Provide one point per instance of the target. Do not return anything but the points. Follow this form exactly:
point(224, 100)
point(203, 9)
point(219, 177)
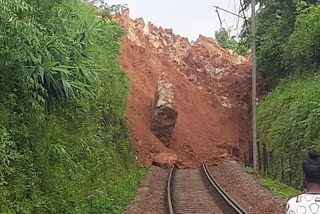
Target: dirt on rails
point(212, 95)
point(212, 88)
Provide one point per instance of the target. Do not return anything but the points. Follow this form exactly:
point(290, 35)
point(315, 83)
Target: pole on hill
point(254, 87)
point(254, 79)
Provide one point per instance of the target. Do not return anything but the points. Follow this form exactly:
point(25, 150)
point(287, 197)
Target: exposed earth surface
point(212, 95)
point(190, 104)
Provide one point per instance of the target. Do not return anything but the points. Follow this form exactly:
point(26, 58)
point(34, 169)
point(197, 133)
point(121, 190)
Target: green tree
point(224, 38)
point(275, 23)
point(302, 51)
point(288, 126)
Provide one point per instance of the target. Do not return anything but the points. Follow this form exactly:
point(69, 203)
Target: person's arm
point(290, 205)
point(288, 208)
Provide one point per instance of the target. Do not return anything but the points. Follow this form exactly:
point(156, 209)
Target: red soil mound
point(212, 88)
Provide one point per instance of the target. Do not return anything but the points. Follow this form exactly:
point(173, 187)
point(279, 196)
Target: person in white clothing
point(309, 201)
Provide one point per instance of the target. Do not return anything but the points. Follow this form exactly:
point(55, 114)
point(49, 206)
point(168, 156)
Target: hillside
point(212, 87)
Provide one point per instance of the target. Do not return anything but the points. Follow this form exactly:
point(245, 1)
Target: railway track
point(196, 191)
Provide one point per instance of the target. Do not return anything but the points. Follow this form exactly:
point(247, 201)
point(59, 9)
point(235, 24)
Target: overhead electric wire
point(253, 48)
point(219, 17)
point(227, 11)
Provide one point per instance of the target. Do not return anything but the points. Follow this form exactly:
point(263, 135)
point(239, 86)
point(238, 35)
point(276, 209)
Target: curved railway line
point(196, 191)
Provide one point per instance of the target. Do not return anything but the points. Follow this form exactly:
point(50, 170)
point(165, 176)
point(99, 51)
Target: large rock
point(164, 115)
point(164, 160)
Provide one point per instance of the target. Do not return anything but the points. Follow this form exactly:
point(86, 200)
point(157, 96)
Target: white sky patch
point(188, 18)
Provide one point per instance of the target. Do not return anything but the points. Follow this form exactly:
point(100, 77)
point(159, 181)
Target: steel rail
point(232, 204)
point(237, 208)
point(169, 183)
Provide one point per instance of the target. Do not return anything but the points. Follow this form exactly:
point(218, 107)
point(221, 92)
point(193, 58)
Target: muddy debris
point(212, 90)
point(165, 160)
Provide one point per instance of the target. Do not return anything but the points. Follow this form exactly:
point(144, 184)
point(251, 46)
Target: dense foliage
point(288, 44)
point(288, 126)
point(64, 142)
point(277, 21)
point(302, 51)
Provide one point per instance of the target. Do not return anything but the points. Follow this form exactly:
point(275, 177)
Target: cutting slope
point(212, 87)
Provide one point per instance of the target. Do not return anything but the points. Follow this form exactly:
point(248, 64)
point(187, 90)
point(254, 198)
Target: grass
point(278, 188)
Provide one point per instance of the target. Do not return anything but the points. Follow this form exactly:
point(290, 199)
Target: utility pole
point(254, 79)
point(254, 87)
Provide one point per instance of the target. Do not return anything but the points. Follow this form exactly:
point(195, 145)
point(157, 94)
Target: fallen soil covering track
point(196, 191)
point(211, 85)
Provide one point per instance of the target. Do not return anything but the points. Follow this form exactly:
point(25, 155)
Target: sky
point(188, 18)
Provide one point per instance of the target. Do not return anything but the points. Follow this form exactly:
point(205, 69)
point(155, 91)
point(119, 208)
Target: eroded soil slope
point(212, 88)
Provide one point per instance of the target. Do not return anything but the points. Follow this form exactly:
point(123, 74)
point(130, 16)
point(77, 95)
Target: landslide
point(212, 94)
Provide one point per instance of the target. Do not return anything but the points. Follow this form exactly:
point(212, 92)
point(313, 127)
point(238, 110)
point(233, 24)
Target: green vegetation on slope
point(278, 188)
point(64, 141)
point(288, 124)
point(302, 51)
point(281, 29)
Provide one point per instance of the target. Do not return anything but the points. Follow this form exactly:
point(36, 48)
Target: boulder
point(164, 160)
point(164, 115)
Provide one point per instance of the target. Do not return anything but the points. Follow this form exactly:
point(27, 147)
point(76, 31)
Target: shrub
point(64, 140)
point(302, 52)
point(288, 126)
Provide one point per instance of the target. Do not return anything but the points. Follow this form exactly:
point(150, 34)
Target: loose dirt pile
point(212, 95)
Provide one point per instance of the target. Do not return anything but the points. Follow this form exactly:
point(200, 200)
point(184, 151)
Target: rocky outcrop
point(164, 115)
